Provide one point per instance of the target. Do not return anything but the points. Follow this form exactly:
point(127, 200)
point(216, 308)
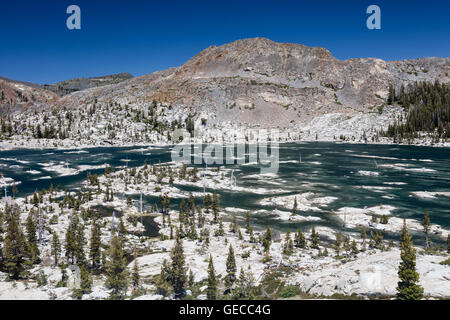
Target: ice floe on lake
point(76, 152)
point(368, 173)
point(357, 217)
point(406, 167)
point(375, 188)
point(430, 194)
point(33, 172)
point(375, 157)
point(6, 181)
point(61, 169)
point(307, 201)
point(395, 183)
point(83, 167)
point(43, 178)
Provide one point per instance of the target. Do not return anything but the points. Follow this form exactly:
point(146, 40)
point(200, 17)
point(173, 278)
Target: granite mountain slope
point(261, 82)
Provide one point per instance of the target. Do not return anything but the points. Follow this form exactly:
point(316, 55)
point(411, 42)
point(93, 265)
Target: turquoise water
point(327, 169)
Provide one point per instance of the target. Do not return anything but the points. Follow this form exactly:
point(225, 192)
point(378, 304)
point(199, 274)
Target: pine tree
point(288, 247)
point(448, 243)
point(215, 206)
point(55, 248)
point(191, 279)
point(122, 231)
point(231, 269)
point(426, 228)
point(85, 284)
point(267, 240)
point(35, 200)
point(252, 236)
point(191, 204)
point(95, 243)
point(14, 248)
point(294, 208)
point(79, 247)
point(163, 281)
point(355, 249)
point(2, 219)
point(70, 242)
point(300, 240)
point(211, 291)
point(407, 288)
point(86, 281)
point(135, 278)
point(247, 222)
point(376, 240)
point(15, 191)
point(178, 269)
point(164, 202)
point(207, 202)
point(33, 252)
point(234, 225)
point(346, 244)
point(315, 239)
point(337, 244)
point(363, 235)
point(244, 285)
point(240, 236)
point(220, 231)
point(117, 274)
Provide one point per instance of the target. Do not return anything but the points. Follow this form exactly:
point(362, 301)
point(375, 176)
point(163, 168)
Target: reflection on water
point(106, 211)
point(151, 227)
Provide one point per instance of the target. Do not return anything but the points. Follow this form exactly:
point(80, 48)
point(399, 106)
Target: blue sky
point(141, 37)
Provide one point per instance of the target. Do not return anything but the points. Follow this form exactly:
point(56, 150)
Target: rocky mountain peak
point(253, 57)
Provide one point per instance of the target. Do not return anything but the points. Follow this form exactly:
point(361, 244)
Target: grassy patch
point(341, 296)
point(289, 291)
